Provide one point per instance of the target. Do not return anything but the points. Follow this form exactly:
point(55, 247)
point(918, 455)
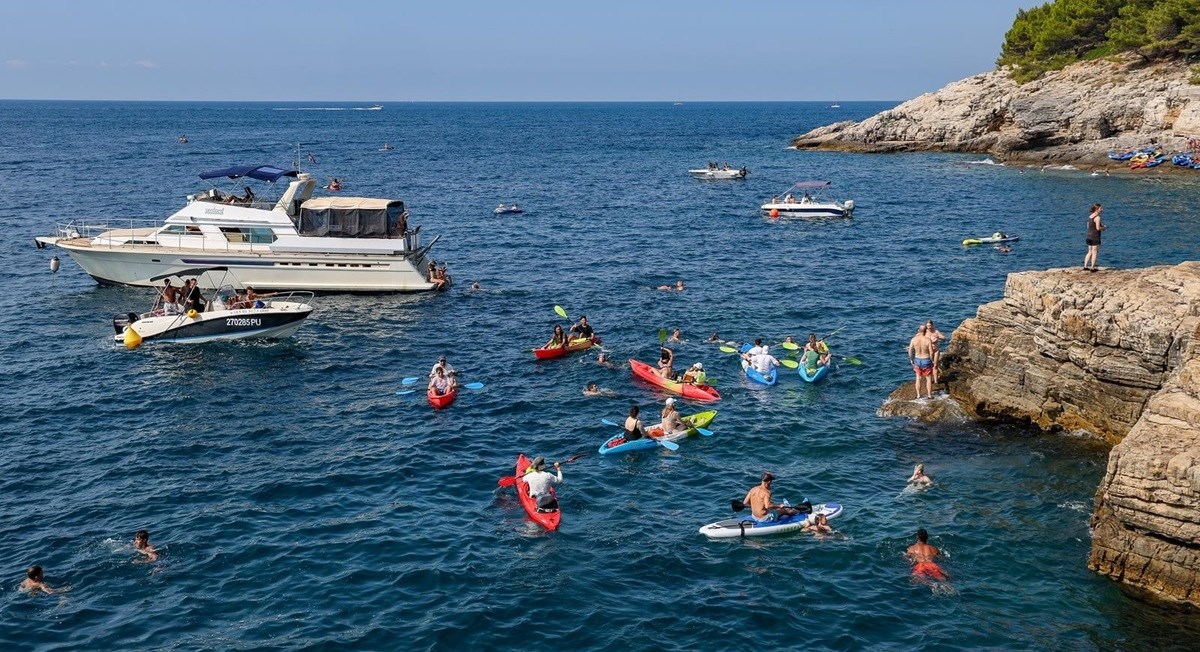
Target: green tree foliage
point(1062, 32)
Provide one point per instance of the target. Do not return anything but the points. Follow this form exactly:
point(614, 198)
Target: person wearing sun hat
point(695, 375)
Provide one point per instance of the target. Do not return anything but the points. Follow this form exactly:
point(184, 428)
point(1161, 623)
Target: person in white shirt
point(444, 366)
point(764, 362)
point(441, 384)
point(539, 482)
point(753, 351)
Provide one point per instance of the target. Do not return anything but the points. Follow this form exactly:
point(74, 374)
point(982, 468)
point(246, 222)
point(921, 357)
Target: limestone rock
point(1115, 353)
point(1074, 115)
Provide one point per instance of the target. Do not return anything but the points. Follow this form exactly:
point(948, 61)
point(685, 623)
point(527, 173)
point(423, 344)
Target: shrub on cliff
point(1062, 32)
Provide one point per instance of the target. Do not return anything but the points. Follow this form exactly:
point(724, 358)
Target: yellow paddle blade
point(790, 364)
point(561, 313)
point(790, 346)
point(728, 349)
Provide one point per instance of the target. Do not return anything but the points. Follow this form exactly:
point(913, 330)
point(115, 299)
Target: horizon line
point(382, 102)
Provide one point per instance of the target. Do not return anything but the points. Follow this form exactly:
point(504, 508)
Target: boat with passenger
point(297, 242)
point(182, 314)
point(809, 204)
point(716, 172)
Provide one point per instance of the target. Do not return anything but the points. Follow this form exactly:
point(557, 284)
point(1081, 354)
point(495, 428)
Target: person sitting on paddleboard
point(539, 481)
point(559, 340)
point(633, 425)
point(922, 555)
point(695, 375)
point(759, 500)
point(582, 329)
point(666, 358)
point(919, 478)
point(441, 384)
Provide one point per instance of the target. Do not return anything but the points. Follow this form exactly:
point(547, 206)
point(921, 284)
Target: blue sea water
point(299, 503)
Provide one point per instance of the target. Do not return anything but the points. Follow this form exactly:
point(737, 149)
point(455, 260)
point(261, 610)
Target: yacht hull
point(223, 325)
point(126, 265)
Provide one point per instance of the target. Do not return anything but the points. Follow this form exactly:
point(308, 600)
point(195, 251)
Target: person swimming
point(919, 478)
point(922, 555)
point(141, 543)
point(817, 524)
point(35, 581)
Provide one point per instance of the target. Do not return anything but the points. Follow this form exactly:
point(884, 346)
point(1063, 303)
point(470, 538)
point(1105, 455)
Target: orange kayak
point(649, 374)
point(577, 344)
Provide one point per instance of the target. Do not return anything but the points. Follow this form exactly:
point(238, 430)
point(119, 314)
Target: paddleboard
point(991, 240)
point(746, 526)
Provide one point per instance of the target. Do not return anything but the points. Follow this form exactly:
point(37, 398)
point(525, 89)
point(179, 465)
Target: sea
point(299, 503)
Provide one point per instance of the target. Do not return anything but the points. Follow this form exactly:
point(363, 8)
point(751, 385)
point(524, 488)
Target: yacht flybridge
point(328, 244)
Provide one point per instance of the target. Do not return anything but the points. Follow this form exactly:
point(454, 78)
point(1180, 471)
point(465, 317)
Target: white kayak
point(746, 526)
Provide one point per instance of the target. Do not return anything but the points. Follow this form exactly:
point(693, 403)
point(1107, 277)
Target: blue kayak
point(753, 374)
point(617, 444)
point(820, 373)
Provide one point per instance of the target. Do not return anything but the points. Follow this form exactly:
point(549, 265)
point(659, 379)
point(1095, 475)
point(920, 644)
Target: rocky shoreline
point(1073, 116)
point(1115, 354)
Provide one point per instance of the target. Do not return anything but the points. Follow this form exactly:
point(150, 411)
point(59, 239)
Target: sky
point(487, 50)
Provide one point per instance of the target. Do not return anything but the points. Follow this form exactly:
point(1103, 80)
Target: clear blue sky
point(493, 50)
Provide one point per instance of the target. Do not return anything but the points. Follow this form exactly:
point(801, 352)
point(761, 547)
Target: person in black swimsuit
point(1094, 227)
point(633, 425)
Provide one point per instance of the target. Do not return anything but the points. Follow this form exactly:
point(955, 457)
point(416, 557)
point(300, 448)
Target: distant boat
point(679, 104)
point(835, 106)
point(376, 107)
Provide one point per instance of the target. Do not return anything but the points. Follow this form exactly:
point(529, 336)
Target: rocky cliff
point(1075, 115)
point(1115, 353)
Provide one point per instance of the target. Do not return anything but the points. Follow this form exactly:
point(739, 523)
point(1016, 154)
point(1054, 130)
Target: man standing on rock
point(920, 356)
point(1094, 227)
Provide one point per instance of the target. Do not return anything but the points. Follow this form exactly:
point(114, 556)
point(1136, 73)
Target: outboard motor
point(119, 322)
point(849, 205)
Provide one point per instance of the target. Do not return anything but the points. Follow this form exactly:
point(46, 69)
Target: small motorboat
point(809, 204)
point(230, 314)
point(512, 208)
point(713, 173)
point(387, 147)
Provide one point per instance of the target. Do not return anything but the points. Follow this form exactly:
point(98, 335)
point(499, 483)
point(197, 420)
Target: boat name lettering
point(242, 321)
point(214, 211)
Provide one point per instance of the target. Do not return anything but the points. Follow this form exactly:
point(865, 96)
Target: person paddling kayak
point(753, 351)
point(671, 423)
point(441, 384)
point(633, 425)
point(539, 481)
point(759, 500)
point(582, 329)
point(444, 366)
point(695, 375)
point(816, 354)
point(764, 362)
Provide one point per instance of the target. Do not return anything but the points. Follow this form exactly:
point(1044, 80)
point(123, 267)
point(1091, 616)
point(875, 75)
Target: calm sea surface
point(299, 503)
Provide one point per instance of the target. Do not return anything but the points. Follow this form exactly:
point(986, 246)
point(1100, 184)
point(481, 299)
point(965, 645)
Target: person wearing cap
point(695, 375)
point(764, 362)
point(444, 366)
point(671, 423)
point(759, 501)
point(539, 480)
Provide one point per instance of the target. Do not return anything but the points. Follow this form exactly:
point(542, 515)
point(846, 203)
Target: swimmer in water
point(922, 555)
point(676, 336)
point(678, 287)
point(817, 524)
point(1004, 249)
point(141, 543)
point(35, 581)
point(591, 390)
point(475, 286)
point(919, 478)
point(714, 337)
point(603, 361)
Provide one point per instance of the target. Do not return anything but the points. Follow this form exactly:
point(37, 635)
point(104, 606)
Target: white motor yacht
point(714, 174)
point(808, 204)
point(329, 244)
point(181, 313)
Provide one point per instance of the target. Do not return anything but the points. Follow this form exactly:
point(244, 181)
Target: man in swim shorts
point(922, 555)
point(920, 356)
point(759, 501)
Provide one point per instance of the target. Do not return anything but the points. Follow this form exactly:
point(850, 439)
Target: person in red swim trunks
point(922, 555)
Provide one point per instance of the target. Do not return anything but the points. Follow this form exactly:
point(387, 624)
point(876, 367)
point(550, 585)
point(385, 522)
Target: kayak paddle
point(662, 335)
point(703, 431)
point(849, 360)
point(410, 380)
point(407, 391)
point(790, 346)
point(510, 480)
point(728, 349)
point(669, 445)
point(561, 313)
point(473, 386)
point(790, 364)
point(610, 423)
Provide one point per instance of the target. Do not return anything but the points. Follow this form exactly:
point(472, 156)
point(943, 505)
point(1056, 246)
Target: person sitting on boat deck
point(764, 362)
point(539, 480)
point(789, 199)
point(35, 581)
point(666, 358)
point(817, 524)
point(433, 276)
point(500, 206)
point(236, 301)
point(513, 208)
point(254, 299)
point(634, 429)
point(444, 366)
point(806, 198)
point(753, 351)
point(759, 501)
point(582, 329)
point(559, 340)
point(194, 299)
point(442, 276)
point(919, 478)
point(441, 384)
point(744, 171)
point(695, 375)
point(671, 423)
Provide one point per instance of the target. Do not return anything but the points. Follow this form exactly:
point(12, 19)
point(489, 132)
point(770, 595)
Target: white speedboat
point(342, 244)
point(714, 174)
point(808, 203)
point(186, 316)
point(502, 209)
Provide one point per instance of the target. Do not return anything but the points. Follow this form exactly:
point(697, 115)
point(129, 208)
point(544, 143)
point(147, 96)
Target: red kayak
point(649, 374)
point(439, 402)
point(577, 344)
point(548, 520)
